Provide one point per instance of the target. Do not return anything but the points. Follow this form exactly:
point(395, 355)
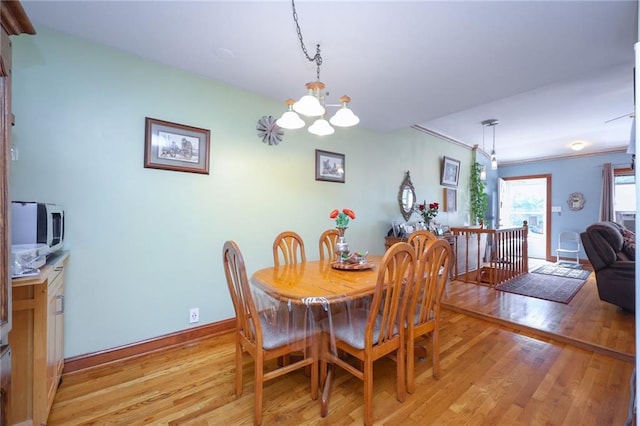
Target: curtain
point(606, 202)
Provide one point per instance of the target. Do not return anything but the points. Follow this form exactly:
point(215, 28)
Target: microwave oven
point(37, 223)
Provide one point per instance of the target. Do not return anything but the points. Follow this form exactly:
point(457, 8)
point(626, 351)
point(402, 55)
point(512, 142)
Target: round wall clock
point(269, 131)
point(576, 201)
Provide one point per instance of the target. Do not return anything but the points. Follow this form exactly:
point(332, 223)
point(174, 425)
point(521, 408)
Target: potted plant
point(478, 198)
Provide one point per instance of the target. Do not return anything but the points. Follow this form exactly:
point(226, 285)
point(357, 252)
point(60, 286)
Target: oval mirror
point(406, 197)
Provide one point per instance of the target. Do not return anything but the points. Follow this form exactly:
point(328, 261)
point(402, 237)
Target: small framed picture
point(450, 171)
point(329, 166)
point(450, 199)
point(177, 147)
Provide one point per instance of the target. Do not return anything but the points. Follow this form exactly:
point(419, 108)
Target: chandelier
point(493, 123)
point(313, 103)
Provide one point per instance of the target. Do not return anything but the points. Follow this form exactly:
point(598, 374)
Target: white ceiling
point(550, 71)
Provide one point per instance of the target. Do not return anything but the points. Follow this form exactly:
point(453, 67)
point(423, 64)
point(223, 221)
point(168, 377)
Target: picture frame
point(450, 200)
point(176, 147)
point(330, 166)
point(450, 171)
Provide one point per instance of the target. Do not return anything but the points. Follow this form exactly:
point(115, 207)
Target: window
point(624, 197)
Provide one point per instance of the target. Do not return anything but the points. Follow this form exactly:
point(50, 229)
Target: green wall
point(146, 244)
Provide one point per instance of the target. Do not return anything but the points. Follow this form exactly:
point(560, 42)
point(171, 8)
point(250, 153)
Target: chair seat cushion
point(349, 327)
point(281, 333)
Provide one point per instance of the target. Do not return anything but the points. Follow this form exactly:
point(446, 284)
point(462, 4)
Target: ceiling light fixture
point(493, 123)
point(312, 104)
point(578, 145)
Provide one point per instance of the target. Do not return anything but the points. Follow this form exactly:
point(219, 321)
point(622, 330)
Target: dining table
point(317, 288)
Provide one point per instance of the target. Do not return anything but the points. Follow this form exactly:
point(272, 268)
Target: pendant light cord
point(317, 58)
point(494, 136)
point(483, 132)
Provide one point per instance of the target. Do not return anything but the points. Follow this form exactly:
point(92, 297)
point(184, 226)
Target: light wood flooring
point(496, 372)
point(585, 322)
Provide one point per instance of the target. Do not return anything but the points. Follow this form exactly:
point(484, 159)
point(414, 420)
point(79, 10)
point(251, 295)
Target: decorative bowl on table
point(352, 261)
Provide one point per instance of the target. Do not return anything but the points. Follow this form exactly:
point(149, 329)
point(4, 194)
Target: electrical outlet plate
point(194, 315)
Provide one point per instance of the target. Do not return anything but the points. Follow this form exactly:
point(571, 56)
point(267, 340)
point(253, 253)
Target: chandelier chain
point(316, 58)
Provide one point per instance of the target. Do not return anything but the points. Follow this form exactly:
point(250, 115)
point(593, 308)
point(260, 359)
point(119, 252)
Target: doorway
point(527, 198)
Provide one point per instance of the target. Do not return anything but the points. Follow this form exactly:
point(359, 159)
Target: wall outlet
point(194, 315)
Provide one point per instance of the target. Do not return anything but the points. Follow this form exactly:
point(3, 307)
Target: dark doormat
point(543, 286)
point(563, 271)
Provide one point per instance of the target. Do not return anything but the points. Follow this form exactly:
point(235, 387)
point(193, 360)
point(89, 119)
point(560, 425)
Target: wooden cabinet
point(37, 340)
point(13, 21)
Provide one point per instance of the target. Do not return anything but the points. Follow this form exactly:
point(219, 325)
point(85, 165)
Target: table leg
point(326, 391)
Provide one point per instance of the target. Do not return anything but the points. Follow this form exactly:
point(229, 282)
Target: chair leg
point(436, 353)
point(239, 352)
point(368, 391)
point(259, 380)
point(401, 374)
point(411, 385)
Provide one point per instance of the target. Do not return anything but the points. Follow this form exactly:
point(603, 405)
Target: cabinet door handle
point(61, 298)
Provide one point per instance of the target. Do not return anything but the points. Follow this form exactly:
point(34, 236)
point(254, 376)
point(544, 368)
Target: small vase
point(341, 246)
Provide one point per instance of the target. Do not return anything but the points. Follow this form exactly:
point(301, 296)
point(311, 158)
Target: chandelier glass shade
point(483, 173)
point(494, 160)
point(344, 117)
point(321, 127)
point(290, 120)
point(309, 104)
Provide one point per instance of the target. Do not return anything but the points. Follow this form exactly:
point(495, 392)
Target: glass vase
point(342, 247)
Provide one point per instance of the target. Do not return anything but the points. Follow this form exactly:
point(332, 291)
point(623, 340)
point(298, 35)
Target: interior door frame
point(547, 219)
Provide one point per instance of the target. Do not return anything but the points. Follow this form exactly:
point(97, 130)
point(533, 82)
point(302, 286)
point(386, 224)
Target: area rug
point(543, 286)
point(563, 271)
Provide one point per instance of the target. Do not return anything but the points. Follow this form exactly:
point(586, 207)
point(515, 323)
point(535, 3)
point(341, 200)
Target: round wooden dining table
point(318, 284)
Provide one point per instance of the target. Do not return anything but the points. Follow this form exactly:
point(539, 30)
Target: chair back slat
point(247, 322)
point(327, 244)
point(419, 240)
point(288, 248)
point(396, 273)
point(433, 271)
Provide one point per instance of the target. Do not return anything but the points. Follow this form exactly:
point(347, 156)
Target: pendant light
point(494, 160)
point(312, 104)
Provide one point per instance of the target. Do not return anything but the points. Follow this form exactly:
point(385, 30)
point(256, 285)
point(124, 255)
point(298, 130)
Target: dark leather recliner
point(613, 263)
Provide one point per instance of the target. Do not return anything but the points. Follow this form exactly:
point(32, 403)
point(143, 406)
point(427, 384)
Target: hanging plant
point(478, 198)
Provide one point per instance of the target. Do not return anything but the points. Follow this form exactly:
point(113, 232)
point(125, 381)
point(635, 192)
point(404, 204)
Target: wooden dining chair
point(419, 239)
point(261, 338)
point(423, 311)
point(327, 244)
point(288, 247)
point(370, 333)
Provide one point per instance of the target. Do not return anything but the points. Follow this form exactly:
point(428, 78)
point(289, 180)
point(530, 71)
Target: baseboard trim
point(100, 358)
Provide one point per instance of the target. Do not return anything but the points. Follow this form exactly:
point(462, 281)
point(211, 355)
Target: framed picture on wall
point(177, 147)
point(450, 198)
point(329, 166)
point(450, 171)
